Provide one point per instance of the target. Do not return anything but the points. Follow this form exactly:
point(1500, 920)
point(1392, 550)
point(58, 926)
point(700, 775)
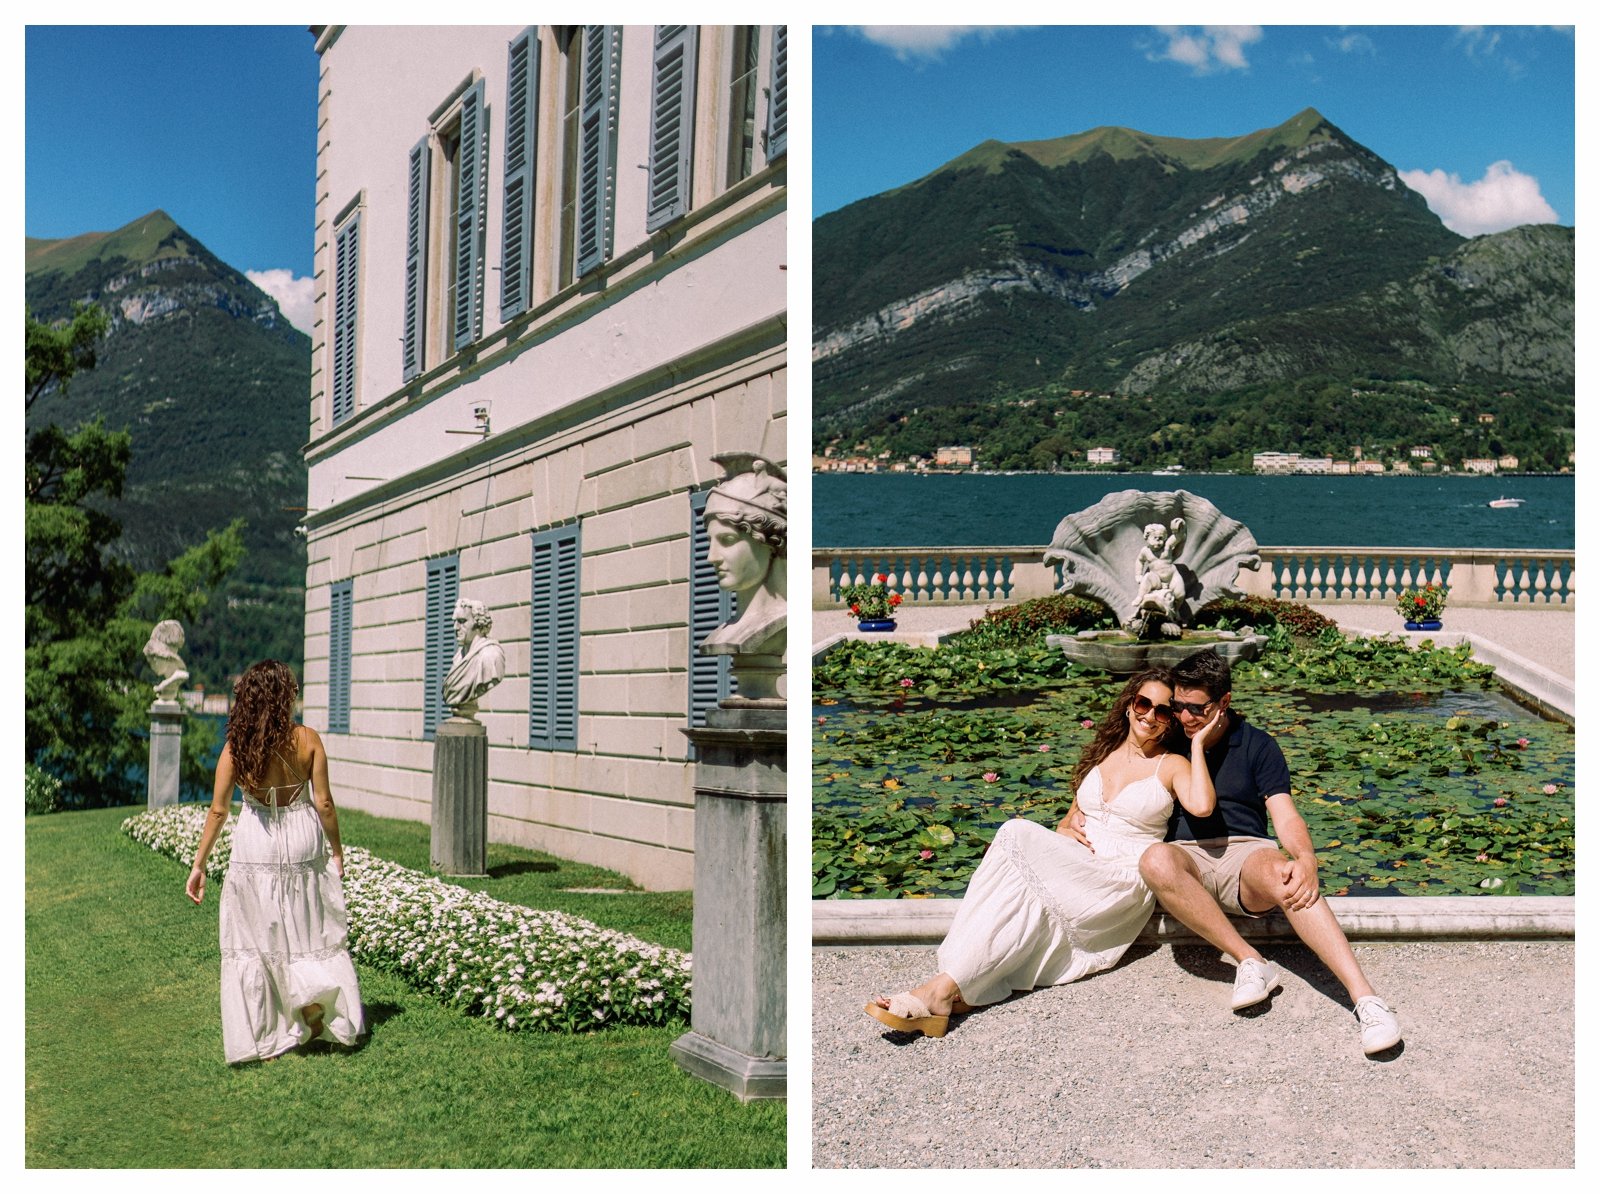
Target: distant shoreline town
point(957, 460)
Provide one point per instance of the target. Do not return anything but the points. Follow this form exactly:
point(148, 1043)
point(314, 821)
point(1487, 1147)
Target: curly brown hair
point(1112, 730)
point(262, 719)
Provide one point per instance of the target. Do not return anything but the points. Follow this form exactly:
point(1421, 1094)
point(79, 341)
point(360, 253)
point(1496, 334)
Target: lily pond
point(1414, 773)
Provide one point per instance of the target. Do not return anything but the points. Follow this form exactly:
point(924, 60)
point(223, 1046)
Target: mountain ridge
point(210, 380)
point(998, 272)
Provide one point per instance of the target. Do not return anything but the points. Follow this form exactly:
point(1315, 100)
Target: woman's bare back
point(287, 773)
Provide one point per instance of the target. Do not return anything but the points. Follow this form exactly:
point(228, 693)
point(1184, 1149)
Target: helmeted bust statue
point(161, 652)
point(747, 519)
point(481, 663)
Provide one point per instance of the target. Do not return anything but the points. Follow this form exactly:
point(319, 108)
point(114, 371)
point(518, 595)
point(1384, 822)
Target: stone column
point(460, 797)
point(166, 753)
point(737, 1039)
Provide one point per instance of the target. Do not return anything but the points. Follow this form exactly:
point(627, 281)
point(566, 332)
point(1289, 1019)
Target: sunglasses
point(1143, 706)
point(1192, 709)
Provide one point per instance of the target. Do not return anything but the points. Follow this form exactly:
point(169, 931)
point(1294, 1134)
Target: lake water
point(1018, 510)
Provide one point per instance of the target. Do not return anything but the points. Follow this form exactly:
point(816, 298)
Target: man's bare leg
point(1175, 879)
point(1260, 887)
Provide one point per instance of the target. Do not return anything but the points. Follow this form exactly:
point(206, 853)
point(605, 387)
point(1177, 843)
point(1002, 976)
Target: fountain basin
point(1121, 654)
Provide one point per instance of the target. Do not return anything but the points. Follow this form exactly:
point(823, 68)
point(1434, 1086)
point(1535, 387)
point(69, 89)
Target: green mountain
point(1117, 261)
point(211, 383)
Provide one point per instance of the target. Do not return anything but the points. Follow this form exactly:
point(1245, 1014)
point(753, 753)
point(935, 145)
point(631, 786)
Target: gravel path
point(1145, 1066)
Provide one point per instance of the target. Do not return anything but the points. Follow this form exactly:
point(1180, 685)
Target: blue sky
point(214, 125)
point(1480, 119)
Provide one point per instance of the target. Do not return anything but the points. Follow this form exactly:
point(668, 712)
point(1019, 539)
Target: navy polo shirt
point(1246, 767)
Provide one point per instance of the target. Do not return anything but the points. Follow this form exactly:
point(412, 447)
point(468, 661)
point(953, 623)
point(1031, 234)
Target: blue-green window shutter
point(778, 96)
point(597, 144)
point(346, 263)
point(339, 611)
point(710, 605)
point(472, 169)
point(522, 150)
point(671, 124)
point(416, 302)
point(439, 639)
point(553, 640)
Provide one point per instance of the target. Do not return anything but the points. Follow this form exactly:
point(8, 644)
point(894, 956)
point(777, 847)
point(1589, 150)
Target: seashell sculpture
point(1152, 558)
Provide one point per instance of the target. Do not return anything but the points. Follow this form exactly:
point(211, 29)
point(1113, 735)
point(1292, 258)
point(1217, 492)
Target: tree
point(56, 353)
point(88, 614)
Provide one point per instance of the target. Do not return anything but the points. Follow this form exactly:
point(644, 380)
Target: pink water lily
point(1501, 802)
point(925, 855)
point(1483, 858)
point(1522, 744)
point(990, 776)
point(1551, 789)
point(1045, 748)
point(907, 683)
point(1087, 723)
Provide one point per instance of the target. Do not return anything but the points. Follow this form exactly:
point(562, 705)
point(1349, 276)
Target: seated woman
point(1044, 909)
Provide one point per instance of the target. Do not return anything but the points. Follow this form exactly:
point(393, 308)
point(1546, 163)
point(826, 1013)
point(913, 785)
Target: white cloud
point(1352, 43)
point(1205, 49)
point(921, 41)
point(1476, 40)
point(294, 294)
point(1501, 199)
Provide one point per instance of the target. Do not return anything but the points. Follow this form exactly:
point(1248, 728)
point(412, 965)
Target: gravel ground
point(1145, 1066)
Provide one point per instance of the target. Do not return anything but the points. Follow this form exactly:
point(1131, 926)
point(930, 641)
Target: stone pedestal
point(738, 1039)
point(166, 753)
point(460, 797)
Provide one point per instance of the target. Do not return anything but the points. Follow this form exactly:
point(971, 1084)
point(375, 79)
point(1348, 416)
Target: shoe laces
point(1372, 1010)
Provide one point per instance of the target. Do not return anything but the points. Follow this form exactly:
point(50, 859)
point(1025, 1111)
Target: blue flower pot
point(880, 624)
point(1432, 624)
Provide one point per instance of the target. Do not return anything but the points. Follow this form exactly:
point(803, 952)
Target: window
point(439, 639)
point(339, 609)
point(710, 605)
point(416, 305)
point(553, 647)
point(742, 102)
point(671, 124)
point(346, 293)
point(778, 95)
point(445, 233)
point(471, 169)
point(597, 146)
point(522, 151)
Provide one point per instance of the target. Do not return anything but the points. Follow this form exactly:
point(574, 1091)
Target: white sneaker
point(1380, 1027)
point(1255, 980)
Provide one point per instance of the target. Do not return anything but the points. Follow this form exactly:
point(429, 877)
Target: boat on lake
point(1504, 503)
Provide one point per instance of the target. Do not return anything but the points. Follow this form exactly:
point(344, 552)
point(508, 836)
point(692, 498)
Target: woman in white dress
point(287, 978)
point(1043, 909)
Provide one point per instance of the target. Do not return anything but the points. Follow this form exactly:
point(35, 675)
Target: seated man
point(1226, 863)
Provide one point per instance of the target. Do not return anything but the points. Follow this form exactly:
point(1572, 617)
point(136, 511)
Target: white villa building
point(551, 268)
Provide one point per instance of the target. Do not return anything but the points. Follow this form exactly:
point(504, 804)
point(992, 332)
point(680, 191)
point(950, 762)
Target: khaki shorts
point(1220, 861)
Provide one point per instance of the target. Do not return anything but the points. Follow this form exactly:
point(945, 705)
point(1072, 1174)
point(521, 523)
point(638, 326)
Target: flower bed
point(521, 967)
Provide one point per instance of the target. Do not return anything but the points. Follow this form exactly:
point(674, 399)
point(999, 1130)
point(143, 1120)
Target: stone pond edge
point(1364, 918)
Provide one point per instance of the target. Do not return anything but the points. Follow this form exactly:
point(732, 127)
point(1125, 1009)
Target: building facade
point(551, 266)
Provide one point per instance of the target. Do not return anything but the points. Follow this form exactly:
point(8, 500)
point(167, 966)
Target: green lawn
point(124, 1038)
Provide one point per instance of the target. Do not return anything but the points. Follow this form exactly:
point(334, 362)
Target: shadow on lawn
point(503, 869)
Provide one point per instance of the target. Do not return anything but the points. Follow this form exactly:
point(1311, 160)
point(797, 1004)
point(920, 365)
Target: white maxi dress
point(285, 932)
point(1042, 909)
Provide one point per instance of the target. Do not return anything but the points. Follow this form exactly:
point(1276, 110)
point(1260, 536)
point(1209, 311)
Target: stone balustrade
point(1365, 575)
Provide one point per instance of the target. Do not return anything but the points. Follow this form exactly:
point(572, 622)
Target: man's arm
point(1297, 873)
point(1072, 825)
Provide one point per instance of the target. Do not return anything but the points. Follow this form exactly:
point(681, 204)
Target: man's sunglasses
point(1144, 707)
point(1192, 709)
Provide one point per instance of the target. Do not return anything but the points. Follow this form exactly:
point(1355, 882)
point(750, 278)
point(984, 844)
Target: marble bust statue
point(161, 652)
point(747, 520)
point(480, 664)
